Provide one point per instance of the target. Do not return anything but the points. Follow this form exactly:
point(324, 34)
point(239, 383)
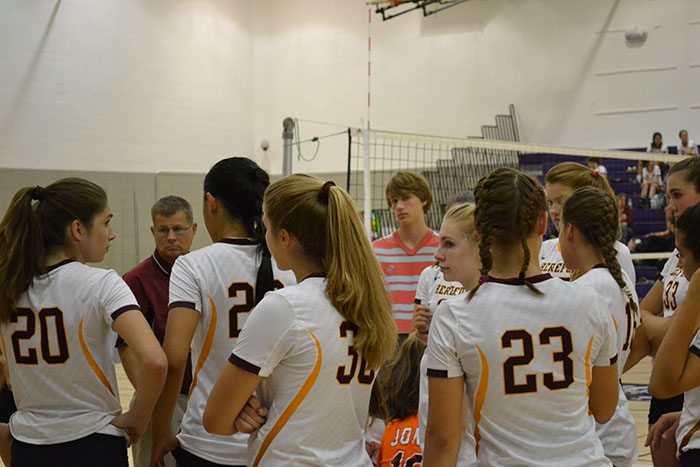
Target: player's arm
point(677, 367)
point(443, 433)
point(602, 398)
point(134, 329)
point(653, 301)
point(228, 399)
point(179, 330)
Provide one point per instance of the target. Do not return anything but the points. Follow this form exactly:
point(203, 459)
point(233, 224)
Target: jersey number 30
point(545, 338)
point(343, 375)
point(60, 352)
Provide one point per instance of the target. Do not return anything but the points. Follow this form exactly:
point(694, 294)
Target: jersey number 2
point(545, 337)
point(343, 375)
point(30, 358)
point(233, 327)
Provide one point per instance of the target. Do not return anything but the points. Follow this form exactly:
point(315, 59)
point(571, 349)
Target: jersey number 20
point(545, 337)
point(49, 356)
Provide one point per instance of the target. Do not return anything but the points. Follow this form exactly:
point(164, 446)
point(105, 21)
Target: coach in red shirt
point(173, 231)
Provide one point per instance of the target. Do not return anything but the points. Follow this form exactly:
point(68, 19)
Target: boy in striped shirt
point(405, 253)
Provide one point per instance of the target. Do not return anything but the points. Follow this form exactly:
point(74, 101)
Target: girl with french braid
point(587, 233)
point(536, 354)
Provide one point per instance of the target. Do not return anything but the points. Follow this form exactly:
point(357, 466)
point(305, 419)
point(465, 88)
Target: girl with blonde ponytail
point(587, 232)
point(311, 350)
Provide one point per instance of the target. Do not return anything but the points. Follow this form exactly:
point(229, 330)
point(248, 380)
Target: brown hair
point(575, 175)
point(34, 224)
point(509, 204)
point(323, 218)
point(690, 170)
point(403, 183)
point(403, 380)
point(168, 206)
point(594, 213)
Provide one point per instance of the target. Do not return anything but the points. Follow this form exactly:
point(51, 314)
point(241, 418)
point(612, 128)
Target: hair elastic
point(38, 193)
point(595, 174)
point(325, 189)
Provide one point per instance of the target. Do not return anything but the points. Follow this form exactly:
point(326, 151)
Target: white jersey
point(552, 262)
point(527, 360)
point(619, 434)
point(314, 385)
point(218, 282)
point(59, 344)
point(687, 434)
point(675, 284)
point(433, 288)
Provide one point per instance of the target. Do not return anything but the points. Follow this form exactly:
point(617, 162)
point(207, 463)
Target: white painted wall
point(143, 85)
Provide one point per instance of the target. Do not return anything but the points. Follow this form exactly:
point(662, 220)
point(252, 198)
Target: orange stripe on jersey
point(294, 405)
point(206, 348)
point(480, 396)
point(91, 361)
point(588, 370)
point(614, 322)
point(686, 438)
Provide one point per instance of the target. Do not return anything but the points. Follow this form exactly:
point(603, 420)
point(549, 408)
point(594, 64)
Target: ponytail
point(34, 224)
point(323, 218)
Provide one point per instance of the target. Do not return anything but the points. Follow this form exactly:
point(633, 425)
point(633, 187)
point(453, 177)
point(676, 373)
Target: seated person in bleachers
point(655, 241)
point(626, 217)
point(651, 183)
point(594, 164)
point(657, 144)
point(687, 146)
point(405, 253)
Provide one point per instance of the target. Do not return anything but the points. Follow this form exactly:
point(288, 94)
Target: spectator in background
point(657, 144)
point(651, 183)
point(594, 164)
point(626, 218)
point(687, 146)
point(405, 253)
point(655, 241)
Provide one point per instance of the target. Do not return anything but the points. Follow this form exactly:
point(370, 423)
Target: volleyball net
point(454, 165)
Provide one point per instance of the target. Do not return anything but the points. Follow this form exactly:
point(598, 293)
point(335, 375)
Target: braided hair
point(509, 204)
point(594, 212)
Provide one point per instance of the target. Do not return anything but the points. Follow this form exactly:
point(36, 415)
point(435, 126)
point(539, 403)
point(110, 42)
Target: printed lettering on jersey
point(345, 376)
point(52, 330)
point(557, 268)
point(449, 290)
point(406, 436)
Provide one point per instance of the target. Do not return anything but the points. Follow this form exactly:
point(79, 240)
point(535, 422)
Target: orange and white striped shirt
point(402, 267)
point(218, 281)
point(315, 386)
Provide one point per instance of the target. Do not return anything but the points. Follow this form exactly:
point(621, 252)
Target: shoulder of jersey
point(548, 246)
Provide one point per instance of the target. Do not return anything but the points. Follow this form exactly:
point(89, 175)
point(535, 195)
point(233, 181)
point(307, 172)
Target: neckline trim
point(516, 281)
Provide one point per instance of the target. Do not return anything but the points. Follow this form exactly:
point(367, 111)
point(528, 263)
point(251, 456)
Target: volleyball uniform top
point(59, 344)
point(674, 282)
point(619, 434)
point(217, 281)
point(400, 444)
point(687, 433)
point(527, 360)
point(552, 262)
point(433, 288)
point(315, 386)
point(402, 267)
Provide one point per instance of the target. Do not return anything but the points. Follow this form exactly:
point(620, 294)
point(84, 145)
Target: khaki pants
point(141, 451)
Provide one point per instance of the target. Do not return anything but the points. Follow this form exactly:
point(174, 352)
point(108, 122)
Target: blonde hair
point(463, 215)
point(323, 218)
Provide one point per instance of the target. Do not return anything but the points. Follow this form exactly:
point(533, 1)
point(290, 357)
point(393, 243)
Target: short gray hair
point(168, 206)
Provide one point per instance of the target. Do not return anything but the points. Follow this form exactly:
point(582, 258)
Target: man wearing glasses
point(173, 231)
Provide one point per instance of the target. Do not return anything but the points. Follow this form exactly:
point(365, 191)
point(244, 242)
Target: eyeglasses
point(178, 230)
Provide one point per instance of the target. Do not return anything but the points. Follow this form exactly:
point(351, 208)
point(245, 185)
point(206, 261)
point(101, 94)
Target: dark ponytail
point(35, 224)
point(239, 183)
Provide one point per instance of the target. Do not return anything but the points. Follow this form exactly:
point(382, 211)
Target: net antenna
point(393, 8)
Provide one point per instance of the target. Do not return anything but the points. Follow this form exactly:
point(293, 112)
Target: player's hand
point(421, 321)
point(134, 425)
point(664, 429)
point(252, 417)
point(161, 448)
